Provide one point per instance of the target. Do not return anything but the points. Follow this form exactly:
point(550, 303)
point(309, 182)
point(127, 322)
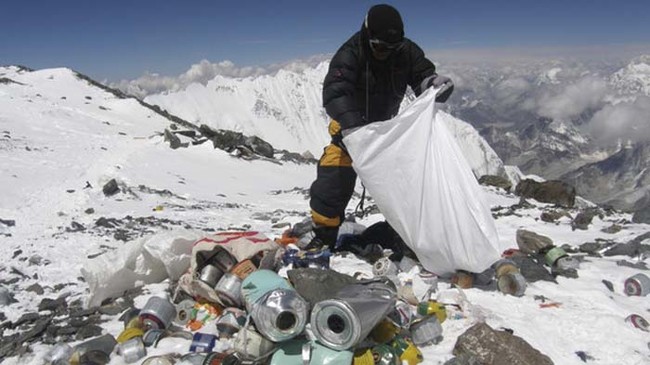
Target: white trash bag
point(421, 182)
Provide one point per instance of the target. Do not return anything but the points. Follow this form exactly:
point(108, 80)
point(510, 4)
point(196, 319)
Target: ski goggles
point(380, 46)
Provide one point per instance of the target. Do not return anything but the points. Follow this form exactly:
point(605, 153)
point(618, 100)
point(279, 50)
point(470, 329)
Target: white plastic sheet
point(421, 182)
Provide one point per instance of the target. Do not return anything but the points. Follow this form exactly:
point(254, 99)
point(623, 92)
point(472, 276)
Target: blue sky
point(116, 39)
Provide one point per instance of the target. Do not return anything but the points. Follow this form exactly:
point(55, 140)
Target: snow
point(51, 147)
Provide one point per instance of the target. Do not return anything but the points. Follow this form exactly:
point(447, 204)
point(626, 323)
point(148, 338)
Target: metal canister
point(402, 314)
point(94, 357)
point(384, 267)
point(638, 285)
point(157, 313)
point(105, 343)
point(512, 283)
point(430, 279)
point(229, 290)
point(184, 312)
point(385, 355)
point(224, 260)
point(407, 351)
point(251, 345)
point(131, 318)
point(159, 360)
point(432, 307)
point(342, 322)
point(243, 268)
point(210, 275)
point(553, 255)
point(230, 321)
point(152, 336)
point(203, 342)
point(505, 266)
point(132, 350)
point(638, 322)
point(60, 354)
point(426, 331)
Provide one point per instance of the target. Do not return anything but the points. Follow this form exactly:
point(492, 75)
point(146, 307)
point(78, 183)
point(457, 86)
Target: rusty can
point(637, 285)
point(638, 322)
point(463, 279)
point(243, 269)
point(215, 358)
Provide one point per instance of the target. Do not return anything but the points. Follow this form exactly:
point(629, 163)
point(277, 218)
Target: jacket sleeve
point(421, 69)
point(339, 97)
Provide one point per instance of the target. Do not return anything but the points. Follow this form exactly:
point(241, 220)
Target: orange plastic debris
point(286, 239)
point(550, 304)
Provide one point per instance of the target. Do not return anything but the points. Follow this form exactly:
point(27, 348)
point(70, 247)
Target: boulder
point(496, 181)
point(531, 242)
point(553, 192)
point(481, 344)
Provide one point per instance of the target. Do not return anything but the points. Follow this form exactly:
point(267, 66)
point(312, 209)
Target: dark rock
point(635, 265)
point(88, 331)
point(584, 218)
point(108, 222)
point(54, 305)
point(531, 269)
point(174, 141)
point(496, 181)
point(6, 297)
point(26, 318)
point(8, 222)
point(614, 228)
point(2, 316)
point(553, 192)
point(259, 146)
point(17, 253)
point(111, 188)
point(36, 288)
point(67, 331)
point(490, 347)
point(89, 211)
point(609, 285)
point(35, 260)
point(552, 216)
point(632, 248)
point(82, 312)
point(584, 356)
point(590, 247)
point(531, 242)
point(75, 227)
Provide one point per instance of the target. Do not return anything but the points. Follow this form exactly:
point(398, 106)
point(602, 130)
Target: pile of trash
point(247, 299)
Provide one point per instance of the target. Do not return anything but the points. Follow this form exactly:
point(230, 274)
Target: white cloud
point(622, 121)
point(573, 99)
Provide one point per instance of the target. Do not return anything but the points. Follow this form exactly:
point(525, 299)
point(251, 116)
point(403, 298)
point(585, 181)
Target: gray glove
point(443, 83)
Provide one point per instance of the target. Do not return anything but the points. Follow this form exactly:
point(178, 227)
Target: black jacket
point(354, 73)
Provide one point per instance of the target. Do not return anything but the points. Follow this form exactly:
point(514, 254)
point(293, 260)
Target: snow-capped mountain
point(286, 110)
point(633, 78)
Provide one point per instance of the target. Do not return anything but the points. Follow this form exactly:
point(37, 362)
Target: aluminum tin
point(210, 275)
point(505, 266)
point(553, 255)
point(230, 322)
point(184, 312)
point(224, 260)
point(243, 269)
point(426, 330)
point(258, 284)
point(94, 357)
point(280, 315)
point(229, 290)
point(638, 322)
point(251, 345)
point(157, 313)
point(343, 322)
point(638, 285)
point(152, 336)
point(59, 354)
point(384, 267)
point(432, 307)
point(105, 343)
point(159, 360)
point(385, 355)
point(512, 283)
point(203, 342)
point(132, 350)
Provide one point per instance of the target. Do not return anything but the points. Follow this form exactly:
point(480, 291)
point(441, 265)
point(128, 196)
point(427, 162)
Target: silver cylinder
point(512, 283)
point(638, 285)
point(426, 331)
point(346, 320)
point(184, 312)
point(59, 355)
point(230, 322)
point(210, 275)
point(229, 290)
point(157, 313)
point(132, 350)
point(280, 315)
point(105, 343)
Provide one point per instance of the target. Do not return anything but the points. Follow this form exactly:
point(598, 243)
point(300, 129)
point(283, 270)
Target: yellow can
point(385, 331)
point(432, 307)
point(129, 333)
point(363, 357)
point(407, 351)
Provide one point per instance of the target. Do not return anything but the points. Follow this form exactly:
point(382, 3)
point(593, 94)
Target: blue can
point(203, 342)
